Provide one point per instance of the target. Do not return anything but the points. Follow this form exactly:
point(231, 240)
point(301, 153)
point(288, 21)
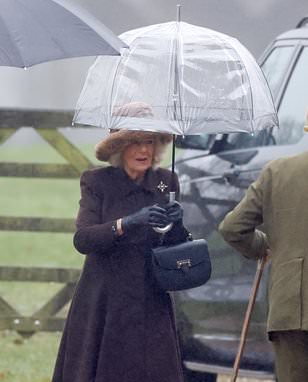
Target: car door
point(210, 317)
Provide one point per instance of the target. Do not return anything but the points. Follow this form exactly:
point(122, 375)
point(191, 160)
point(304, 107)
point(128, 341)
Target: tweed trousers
point(291, 355)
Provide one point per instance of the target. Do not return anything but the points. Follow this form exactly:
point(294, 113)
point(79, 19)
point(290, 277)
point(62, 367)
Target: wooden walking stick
point(252, 299)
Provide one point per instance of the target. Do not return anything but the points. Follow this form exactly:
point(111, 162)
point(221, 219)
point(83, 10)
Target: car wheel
point(194, 376)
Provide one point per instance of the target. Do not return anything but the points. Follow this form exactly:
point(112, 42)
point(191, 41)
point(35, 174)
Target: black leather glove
point(174, 211)
point(153, 216)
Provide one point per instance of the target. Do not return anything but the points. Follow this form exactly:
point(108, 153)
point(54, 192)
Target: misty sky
point(57, 85)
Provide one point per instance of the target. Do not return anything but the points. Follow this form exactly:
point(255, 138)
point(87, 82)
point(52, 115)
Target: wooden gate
point(45, 124)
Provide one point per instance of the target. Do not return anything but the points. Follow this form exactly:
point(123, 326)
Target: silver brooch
point(162, 186)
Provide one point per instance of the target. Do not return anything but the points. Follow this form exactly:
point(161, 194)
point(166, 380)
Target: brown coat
point(120, 326)
point(278, 200)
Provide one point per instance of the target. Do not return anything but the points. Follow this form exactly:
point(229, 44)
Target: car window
point(294, 105)
point(275, 66)
point(200, 142)
point(244, 140)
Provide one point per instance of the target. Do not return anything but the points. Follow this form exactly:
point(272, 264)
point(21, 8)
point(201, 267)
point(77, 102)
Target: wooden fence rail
point(43, 319)
point(46, 124)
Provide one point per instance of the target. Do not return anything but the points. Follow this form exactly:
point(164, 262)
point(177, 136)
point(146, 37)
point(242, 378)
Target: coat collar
point(126, 185)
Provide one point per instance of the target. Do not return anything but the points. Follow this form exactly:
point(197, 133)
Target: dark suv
point(214, 172)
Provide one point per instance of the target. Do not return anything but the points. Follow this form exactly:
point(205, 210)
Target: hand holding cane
point(252, 299)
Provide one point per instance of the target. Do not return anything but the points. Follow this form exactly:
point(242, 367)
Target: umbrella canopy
point(35, 31)
point(196, 81)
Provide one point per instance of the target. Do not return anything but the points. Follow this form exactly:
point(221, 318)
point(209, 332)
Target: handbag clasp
point(182, 263)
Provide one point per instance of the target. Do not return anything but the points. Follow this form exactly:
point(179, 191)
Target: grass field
point(32, 359)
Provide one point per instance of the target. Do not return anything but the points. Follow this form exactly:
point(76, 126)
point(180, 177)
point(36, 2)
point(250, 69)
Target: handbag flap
point(190, 253)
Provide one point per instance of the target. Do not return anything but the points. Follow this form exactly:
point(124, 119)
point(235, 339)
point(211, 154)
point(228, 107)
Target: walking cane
point(252, 299)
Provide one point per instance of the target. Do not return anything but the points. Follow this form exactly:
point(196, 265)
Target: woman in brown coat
point(120, 327)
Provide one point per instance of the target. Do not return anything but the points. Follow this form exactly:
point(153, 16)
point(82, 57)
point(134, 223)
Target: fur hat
point(118, 140)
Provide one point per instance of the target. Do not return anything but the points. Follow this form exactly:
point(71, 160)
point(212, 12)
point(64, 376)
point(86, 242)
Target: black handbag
point(182, 266)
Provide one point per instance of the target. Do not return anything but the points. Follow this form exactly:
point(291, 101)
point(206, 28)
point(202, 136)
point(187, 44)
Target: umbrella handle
point(168, 227)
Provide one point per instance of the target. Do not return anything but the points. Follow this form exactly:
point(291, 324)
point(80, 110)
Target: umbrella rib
point(251, 93)
point(37, 19)
point(57, 42)
point(112, 89)
point(221, 39)
point(94, 24)
point(178, 79)
point(13, 42)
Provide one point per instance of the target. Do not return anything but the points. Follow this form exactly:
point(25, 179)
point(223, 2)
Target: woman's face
point(138, 157)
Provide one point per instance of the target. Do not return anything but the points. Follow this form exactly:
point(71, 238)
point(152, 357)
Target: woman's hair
point(116, 159)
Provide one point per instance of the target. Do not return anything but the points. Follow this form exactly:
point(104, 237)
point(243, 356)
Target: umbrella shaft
point(171, 196)
point(168, 227)
point(173, 153)
point(173, 164)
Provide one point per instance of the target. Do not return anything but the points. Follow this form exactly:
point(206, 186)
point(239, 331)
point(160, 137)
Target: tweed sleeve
point(239, 227)
point(91, 236)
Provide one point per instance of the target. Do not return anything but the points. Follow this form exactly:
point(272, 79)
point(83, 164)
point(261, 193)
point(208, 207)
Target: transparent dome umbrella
point(196, 81)
point(35, 31)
